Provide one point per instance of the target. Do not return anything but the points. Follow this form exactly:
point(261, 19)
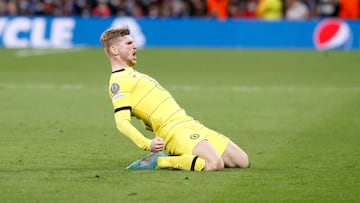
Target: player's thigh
point(212, 148)
point(217, 140)
point(234, 156)
point(206, 151)
point(192, 140)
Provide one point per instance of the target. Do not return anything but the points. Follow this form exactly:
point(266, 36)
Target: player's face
point(127, 50)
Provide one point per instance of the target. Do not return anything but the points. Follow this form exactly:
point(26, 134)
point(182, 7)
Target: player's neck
point(116, 68)
point(117, 64)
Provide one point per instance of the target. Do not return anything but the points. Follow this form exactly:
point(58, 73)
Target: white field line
point(41, 86)
point(280, 89)
point(274, 89)
point(42, 52)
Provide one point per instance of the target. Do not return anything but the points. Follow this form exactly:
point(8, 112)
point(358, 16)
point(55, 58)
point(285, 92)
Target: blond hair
point(109, 37)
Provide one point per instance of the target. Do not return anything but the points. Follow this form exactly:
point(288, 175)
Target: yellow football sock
point(183, 162)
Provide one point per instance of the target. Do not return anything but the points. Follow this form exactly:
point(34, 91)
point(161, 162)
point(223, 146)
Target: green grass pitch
point(296, 113)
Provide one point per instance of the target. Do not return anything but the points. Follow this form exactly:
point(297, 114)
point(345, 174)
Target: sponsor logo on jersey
point(332, 34)
point(117, 96)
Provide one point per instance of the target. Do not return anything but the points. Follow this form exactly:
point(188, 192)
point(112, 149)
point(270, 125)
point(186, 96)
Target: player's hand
point(157, 144)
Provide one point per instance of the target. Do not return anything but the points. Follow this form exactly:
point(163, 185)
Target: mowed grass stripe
point(317, 160)
point(323, 156)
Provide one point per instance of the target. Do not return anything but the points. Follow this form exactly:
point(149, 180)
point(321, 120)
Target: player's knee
point(216, 164)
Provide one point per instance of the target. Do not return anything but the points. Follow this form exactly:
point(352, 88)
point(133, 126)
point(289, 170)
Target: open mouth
point(134, 55)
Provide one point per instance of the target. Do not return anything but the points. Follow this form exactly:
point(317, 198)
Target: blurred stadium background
point(223, 9)
point(285, 24)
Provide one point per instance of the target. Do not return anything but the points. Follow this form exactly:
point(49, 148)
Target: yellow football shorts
point(186, 136)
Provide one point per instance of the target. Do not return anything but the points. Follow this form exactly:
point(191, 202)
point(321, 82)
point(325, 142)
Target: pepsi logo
point(332, 34)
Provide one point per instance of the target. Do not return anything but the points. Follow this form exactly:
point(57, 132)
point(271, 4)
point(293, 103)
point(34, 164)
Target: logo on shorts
point(332, 34)
point(194, 136)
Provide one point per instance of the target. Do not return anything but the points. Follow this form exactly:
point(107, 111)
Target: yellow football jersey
point(147, 100)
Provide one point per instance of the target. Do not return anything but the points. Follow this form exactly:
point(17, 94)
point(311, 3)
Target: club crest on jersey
point(115, 88)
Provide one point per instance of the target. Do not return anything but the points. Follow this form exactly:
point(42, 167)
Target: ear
point(113, 50)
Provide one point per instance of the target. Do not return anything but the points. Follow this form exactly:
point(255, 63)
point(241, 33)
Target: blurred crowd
point(221, 9)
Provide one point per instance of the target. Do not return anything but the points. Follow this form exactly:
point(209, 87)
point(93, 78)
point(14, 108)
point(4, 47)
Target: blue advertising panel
point(68, 32)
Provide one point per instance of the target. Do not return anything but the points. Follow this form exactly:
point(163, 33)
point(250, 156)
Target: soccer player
point(191, 145)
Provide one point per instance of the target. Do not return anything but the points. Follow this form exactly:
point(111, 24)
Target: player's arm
point(123, 124)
